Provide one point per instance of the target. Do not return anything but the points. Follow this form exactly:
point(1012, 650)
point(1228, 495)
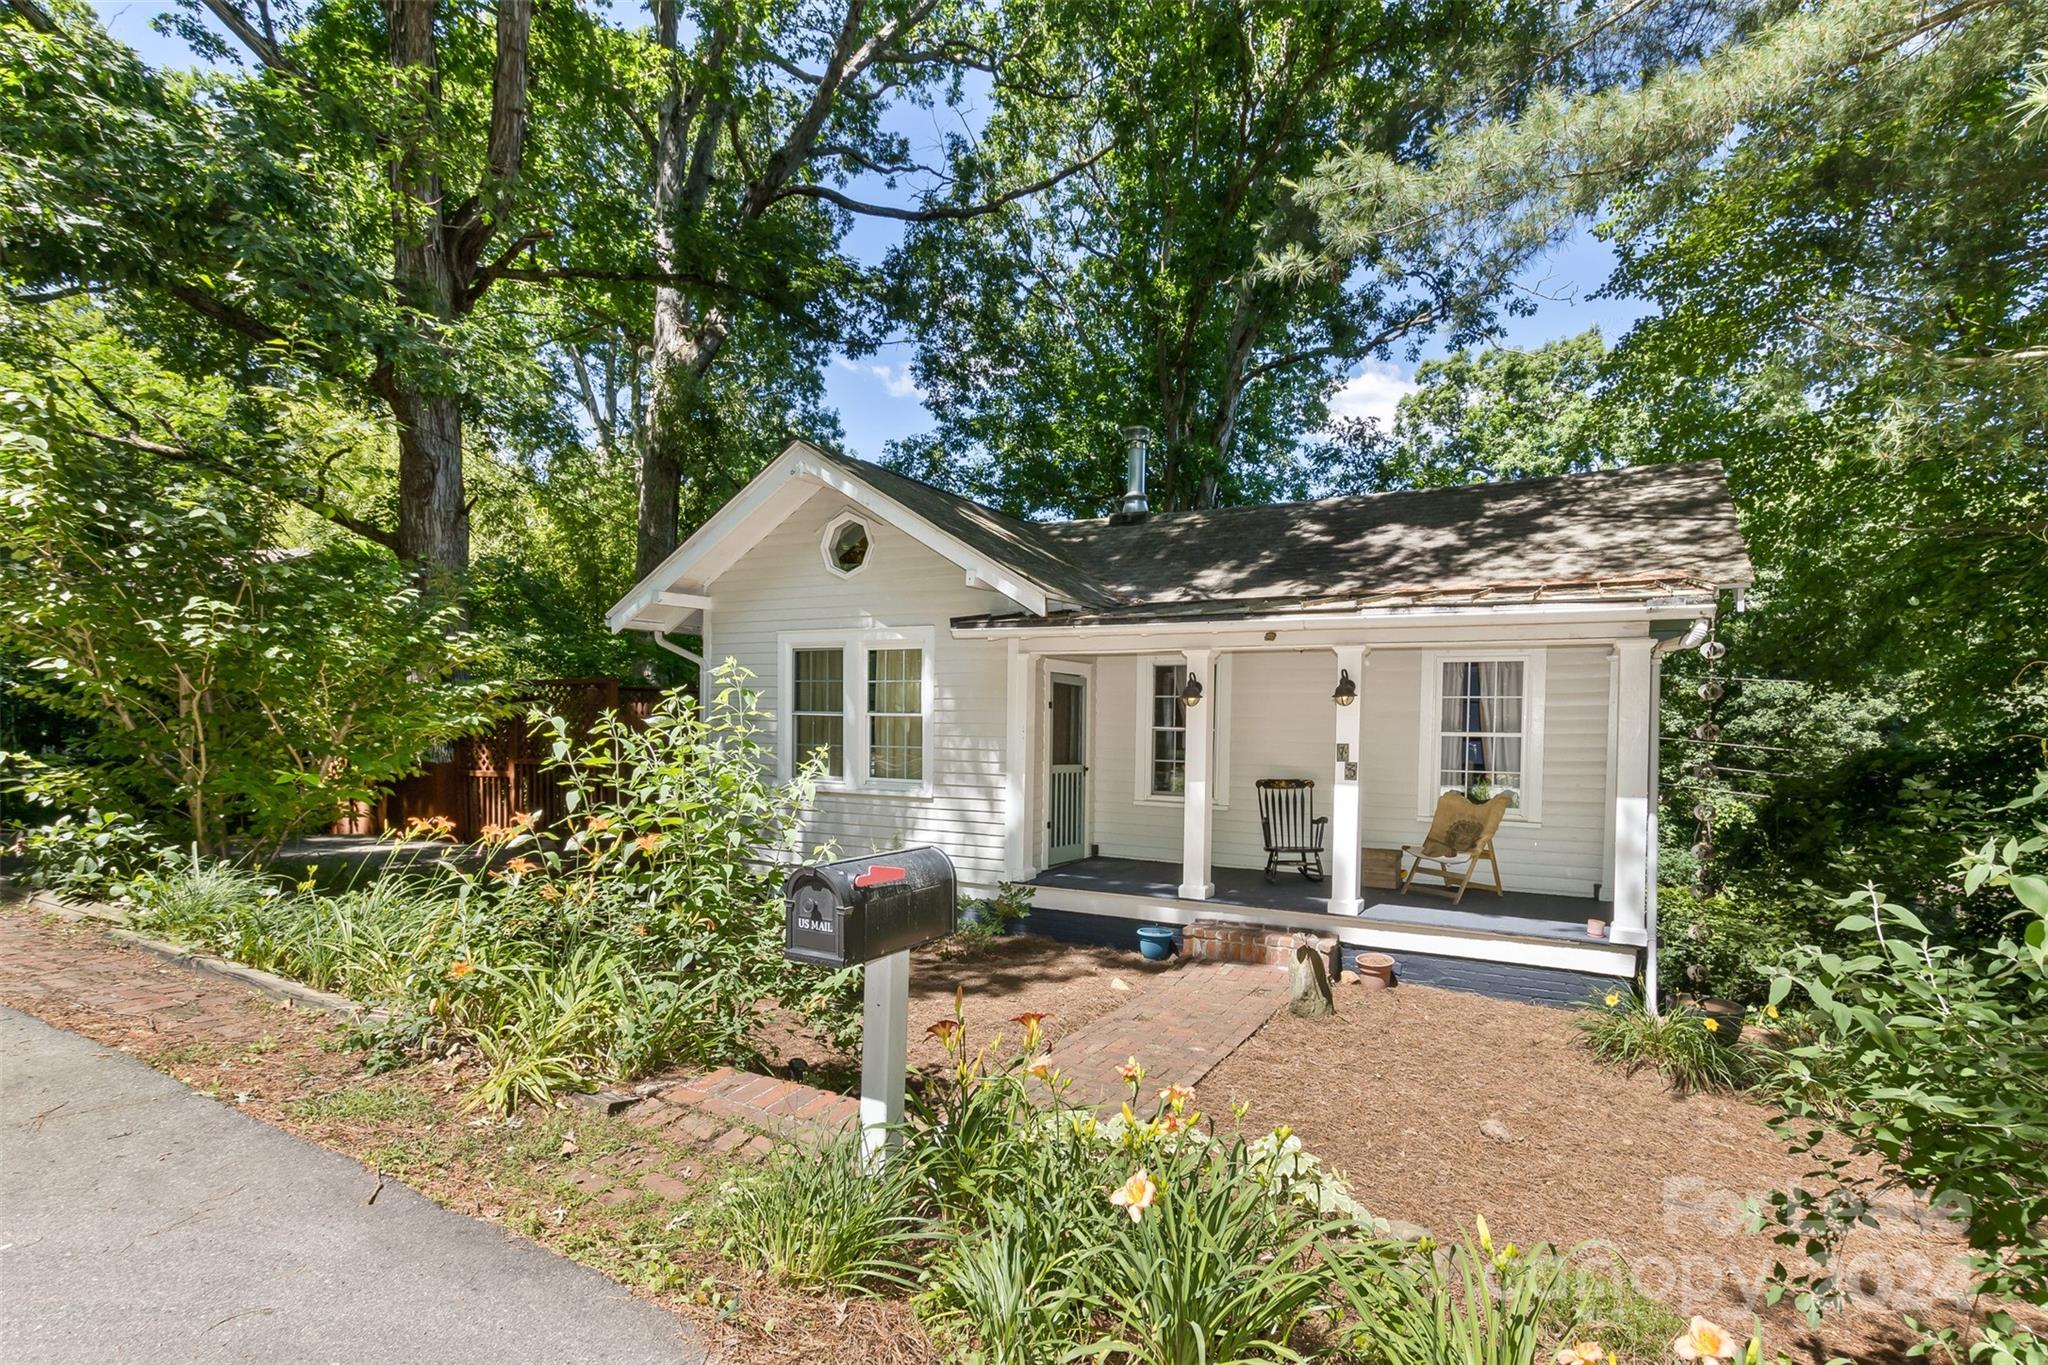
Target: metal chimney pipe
point(1138, 441)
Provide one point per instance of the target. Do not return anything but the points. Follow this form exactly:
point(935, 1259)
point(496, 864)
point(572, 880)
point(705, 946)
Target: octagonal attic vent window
point(846, 545)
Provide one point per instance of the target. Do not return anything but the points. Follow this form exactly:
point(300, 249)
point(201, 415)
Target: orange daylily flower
point(551, 892)
point(1040, 1068)
point(599, 824)
point(1130, 1072)
point(944, 1030)
point(1032, 1020)
point(650, 843)
point(1581, 1353)
point(1177, 1097)
point(1172, 1122)
point(1706, 1341)
point(460, 968)
point(522, 866)
point(1136, 1195)
point(493, 831)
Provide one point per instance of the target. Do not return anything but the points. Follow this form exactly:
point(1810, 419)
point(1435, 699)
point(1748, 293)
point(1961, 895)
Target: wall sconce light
point(1191, 695)
point(1347, 690)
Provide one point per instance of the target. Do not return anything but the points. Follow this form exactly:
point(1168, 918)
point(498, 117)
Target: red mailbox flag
point(879, 875)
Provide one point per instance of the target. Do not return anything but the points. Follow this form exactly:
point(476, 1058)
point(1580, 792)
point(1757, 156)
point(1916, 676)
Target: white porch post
point(1635, 667)
point(1018, 672)
point(1346, 793)
point(1197, 810)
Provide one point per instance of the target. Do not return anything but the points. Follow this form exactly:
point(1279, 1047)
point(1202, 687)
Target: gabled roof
point(1647, 534)
point(1667, 521)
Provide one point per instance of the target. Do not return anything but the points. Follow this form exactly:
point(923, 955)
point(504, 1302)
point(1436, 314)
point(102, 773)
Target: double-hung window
point(1163, 720)
point(896, 715)
point(817, 706)
point(864, 700)
point(1169, 730)
point(1482, 730)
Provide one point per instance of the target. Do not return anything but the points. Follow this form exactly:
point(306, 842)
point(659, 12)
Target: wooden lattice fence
point(497, 776)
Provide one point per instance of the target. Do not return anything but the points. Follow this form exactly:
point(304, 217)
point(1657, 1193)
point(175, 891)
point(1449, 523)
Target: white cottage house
point(1017, 692)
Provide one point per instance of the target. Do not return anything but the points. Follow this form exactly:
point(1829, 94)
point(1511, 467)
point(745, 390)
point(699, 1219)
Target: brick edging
point(204, 964)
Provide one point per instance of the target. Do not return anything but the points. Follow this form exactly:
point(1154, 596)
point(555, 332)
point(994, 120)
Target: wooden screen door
point(1066, 824)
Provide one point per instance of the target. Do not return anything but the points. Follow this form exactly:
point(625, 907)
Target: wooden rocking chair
point(1292, 829)
point(1460, 836)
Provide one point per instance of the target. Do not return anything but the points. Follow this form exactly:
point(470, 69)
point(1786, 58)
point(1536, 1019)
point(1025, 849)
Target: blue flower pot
point(1156, 941)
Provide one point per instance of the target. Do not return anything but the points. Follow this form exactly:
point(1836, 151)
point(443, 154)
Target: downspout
point(661, 638)
point(1694, 637)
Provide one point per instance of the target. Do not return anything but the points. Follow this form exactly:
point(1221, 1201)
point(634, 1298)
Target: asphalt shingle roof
point(1638, 530)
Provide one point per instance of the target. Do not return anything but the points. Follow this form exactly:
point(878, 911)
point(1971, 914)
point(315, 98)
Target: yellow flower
point(1581, 1353)
point(1704, 1340)
point(1771, 1010)
point(1136, 1195)
point(1130, 1072)
point(1176, 1097)
point(1613, 999)
point(460, 968)
point(1282, 1133)
point(1711, 1025)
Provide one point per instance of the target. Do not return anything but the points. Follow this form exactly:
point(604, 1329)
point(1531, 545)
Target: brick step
point(1213, 940)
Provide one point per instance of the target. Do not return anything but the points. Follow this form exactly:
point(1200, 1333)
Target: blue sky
point(876, 398)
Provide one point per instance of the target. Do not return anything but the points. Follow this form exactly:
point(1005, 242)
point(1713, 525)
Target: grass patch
point(366, 1104)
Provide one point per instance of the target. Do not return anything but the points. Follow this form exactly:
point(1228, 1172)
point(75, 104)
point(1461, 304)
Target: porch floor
point(1524, 913)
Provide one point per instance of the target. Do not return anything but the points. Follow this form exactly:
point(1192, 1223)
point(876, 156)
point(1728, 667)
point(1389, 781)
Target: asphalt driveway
point(142, 1221)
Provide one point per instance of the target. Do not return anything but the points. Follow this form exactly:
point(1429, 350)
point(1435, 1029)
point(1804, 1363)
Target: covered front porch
point(1521, 928)
point(1136, 765)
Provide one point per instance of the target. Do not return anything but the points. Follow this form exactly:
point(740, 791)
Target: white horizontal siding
point(1282, 726)
point(782, 586)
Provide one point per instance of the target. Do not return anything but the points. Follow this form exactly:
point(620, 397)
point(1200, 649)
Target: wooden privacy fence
point(497, 776)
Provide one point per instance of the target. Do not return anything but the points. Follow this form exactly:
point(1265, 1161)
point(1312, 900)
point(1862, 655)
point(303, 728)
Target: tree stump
point(1308, 985)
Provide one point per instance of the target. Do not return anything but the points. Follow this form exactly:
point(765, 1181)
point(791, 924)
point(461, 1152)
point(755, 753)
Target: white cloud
point(1372, 392)
point(896, 379)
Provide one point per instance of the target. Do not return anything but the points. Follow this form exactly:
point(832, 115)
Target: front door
point(1066, 822)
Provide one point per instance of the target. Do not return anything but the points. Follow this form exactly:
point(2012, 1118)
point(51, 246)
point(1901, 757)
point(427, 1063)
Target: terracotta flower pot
point(1596, 927)
point(1375, 970)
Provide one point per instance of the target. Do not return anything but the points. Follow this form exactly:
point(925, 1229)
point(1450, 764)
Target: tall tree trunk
point(684, 344)
point(433, 516)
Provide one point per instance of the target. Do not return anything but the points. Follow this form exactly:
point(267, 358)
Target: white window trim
point(1217, 699)
point(857, 644)
point(832, 529)
point(1430, 727)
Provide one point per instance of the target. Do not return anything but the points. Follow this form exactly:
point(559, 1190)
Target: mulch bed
point(1394, 1090)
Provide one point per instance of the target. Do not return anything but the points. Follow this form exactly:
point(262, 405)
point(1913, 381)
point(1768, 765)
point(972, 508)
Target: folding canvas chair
point(1292, 829)
point(1460, 837)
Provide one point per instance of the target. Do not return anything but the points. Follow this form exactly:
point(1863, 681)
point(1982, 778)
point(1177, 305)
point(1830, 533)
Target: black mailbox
point(858, 909)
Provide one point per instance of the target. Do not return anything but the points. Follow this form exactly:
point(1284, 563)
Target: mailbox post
point(871, 912)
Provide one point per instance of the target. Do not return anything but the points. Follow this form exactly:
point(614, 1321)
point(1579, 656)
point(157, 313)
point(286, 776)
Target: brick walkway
point(54, 974)
point(1186, 1022)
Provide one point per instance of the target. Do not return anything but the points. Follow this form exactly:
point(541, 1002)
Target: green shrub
point(1728, 944)
point(990, 917)
point(91, 856)
point(1683, 1044)
point(825, 1220)
point(1922, 1067)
